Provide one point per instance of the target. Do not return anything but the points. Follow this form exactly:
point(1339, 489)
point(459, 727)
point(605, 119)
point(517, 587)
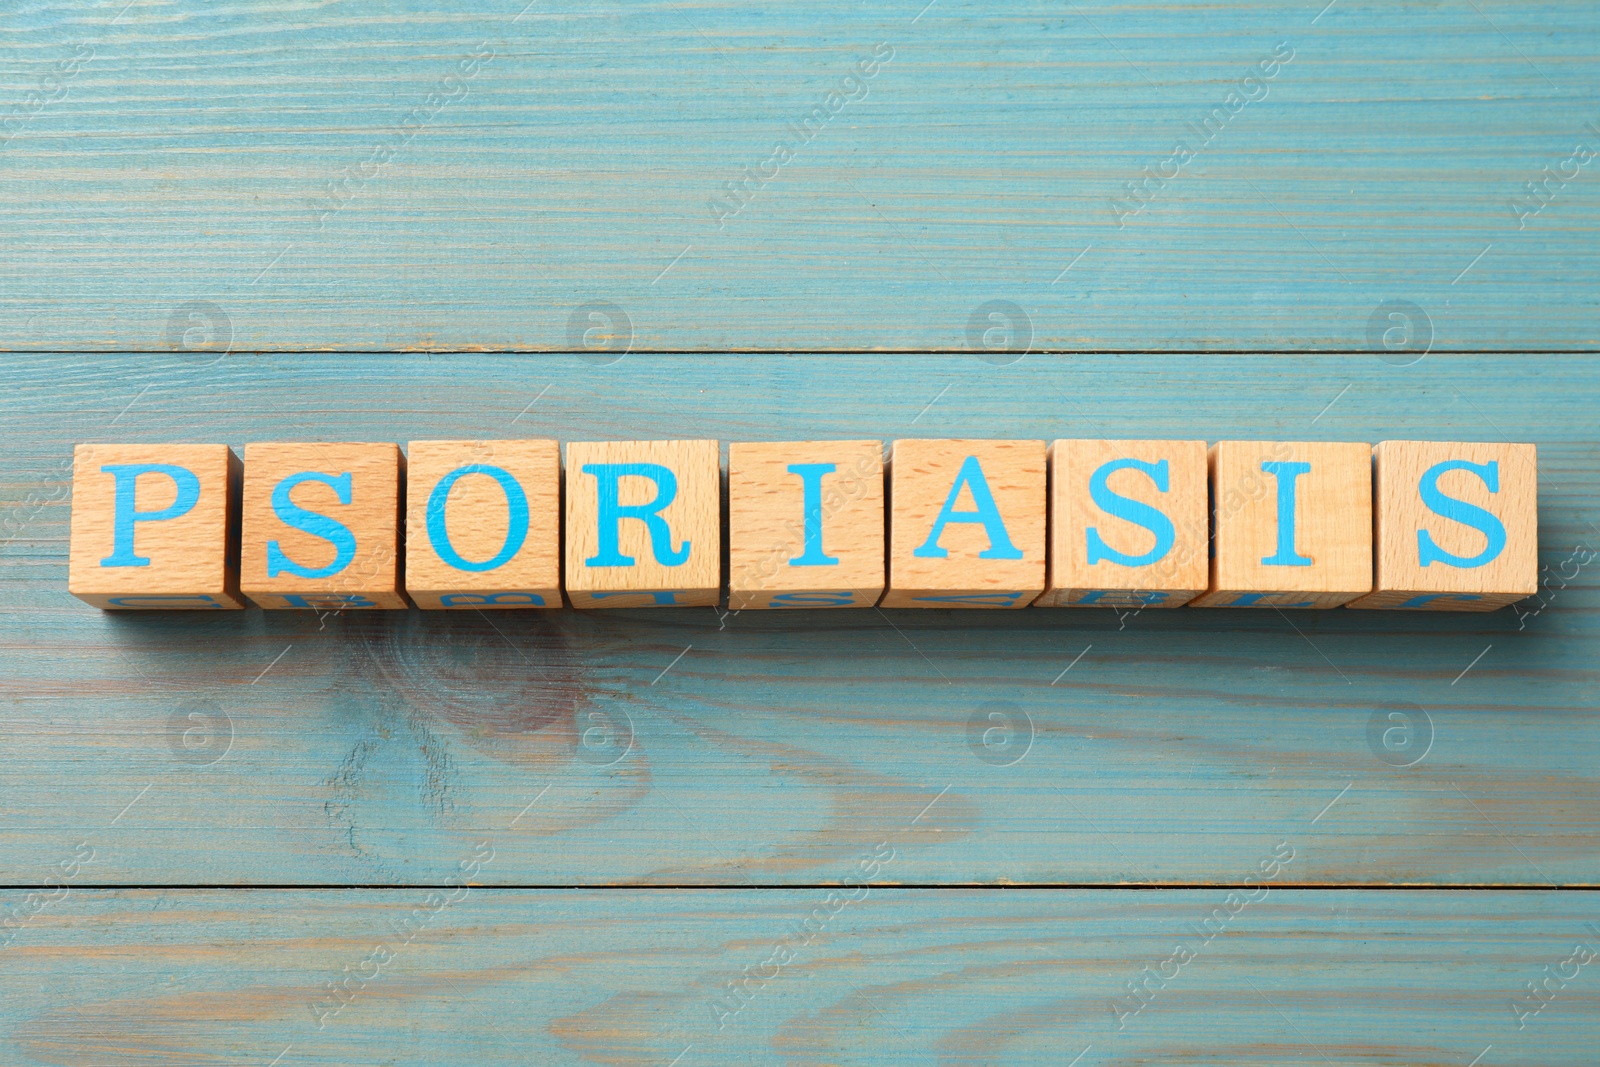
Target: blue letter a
point(971, 476)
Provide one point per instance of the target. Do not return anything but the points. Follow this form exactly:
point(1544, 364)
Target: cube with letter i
point(1292, 524)
point(322, 526)
point(966, 524)
point(154, 527)
point(483, 524)
point(1128, 524)
point(1457, 526)
point(805, 524)
point(643, 524)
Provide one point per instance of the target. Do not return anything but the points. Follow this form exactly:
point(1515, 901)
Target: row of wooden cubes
point(815, 524)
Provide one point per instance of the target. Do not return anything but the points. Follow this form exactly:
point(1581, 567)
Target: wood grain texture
point(1400, 519)
point(358, 174)
point(307, 563)
point(179, 549)
point(769, 519)
point(1292, 524)
point(692, 746)
point(966, 524)
point(1182, 495)
point(508, 503)
point(800, 977)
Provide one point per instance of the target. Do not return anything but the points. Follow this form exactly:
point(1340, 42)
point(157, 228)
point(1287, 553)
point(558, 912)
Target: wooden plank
point(690, 746)
point(1344, 978)
point(1260, 175)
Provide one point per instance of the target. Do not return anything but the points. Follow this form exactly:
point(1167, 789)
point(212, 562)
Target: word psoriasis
point(950, 523)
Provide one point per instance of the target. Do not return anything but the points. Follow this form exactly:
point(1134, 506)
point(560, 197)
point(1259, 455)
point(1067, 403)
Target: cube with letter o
point(483, 524)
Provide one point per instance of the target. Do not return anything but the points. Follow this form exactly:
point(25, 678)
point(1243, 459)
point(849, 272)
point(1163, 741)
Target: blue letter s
point(1462, 512)
point(331, 530)
point(1134, 511)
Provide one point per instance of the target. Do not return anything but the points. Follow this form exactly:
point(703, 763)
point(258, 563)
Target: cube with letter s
point(1457, 526)
point(321, 526)
point(1128, 524)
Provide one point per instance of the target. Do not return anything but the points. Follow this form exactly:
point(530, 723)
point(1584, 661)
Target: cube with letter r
point(1457, 526)
point(321, 526)
point(153, 527)
point(643, 524)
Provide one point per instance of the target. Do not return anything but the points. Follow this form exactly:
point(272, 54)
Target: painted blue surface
point(393, 175)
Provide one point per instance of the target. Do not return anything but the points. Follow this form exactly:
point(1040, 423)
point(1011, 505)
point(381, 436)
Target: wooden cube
point(805, 524)
point(966, 524)
point(644, 524)
point(1292, 524)
point(483, 524)
point(1128, 524)
point(155, 527)
point(322, 526)
point(1457, 526)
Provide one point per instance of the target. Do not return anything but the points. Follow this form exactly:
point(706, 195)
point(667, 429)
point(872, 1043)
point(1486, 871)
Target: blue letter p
point(126, 512)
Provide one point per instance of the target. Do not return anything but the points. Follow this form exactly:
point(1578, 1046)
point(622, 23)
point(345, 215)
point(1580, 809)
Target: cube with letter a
point(1128, 524)
point(321, 526)
point(643, 524)
point(1457, 526)
point(966, 524)
point(1292, 522)
point(805, 524)
point(155, 527)
point(483, 524)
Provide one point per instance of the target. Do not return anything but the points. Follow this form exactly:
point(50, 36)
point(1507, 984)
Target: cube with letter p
point(643, 524)
point(321, 526)
point(154, 527)
point(483, 524)
point(966, 524)
point(1457, 526)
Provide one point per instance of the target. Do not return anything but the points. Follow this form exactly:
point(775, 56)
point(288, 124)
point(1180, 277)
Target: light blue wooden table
point(389, 844)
